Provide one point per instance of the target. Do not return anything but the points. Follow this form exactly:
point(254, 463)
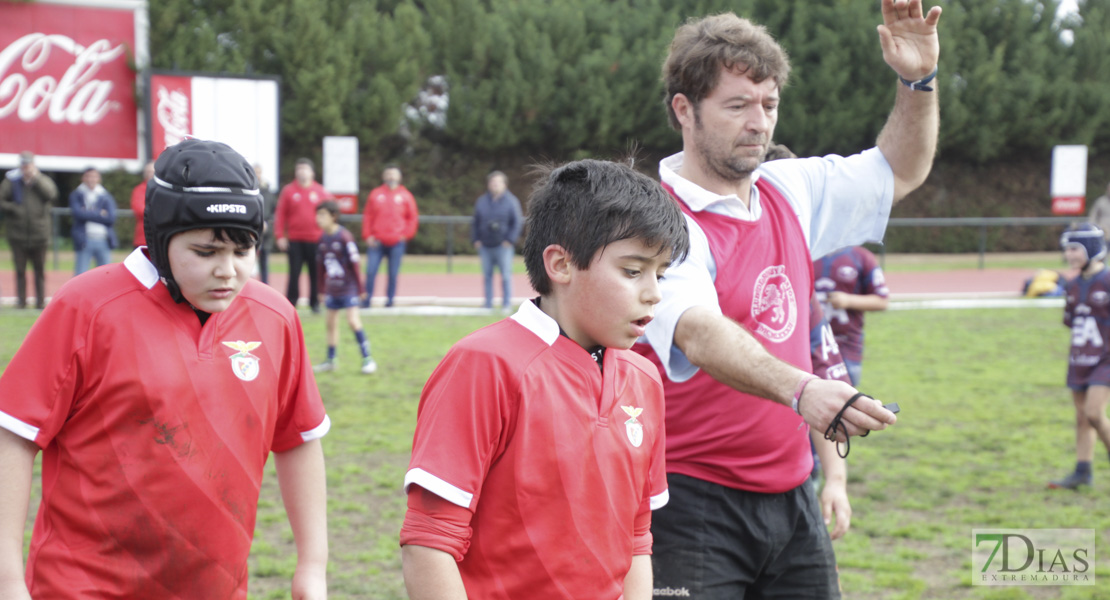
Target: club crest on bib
point(633, 428)
point(244, 364)
point(774, 307)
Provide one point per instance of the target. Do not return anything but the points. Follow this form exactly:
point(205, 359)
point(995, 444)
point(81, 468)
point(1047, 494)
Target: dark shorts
point(340, 302)
point(1082, 377)
point(715, 542)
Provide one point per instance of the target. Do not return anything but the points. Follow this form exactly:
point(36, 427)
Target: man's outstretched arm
point(912, 49)
point(728, 353)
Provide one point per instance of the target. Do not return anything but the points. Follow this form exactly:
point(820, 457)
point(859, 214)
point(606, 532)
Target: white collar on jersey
point(538, 322)
point(699, 198)
point(141, 267)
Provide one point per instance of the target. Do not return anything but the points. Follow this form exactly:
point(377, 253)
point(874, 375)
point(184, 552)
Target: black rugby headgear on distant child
point(198, 184)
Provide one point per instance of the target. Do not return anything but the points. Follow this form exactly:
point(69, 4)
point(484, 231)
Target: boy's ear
point(556, 262)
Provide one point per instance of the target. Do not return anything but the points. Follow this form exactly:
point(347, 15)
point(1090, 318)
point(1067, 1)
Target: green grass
point(942, 262)
point(986, 421)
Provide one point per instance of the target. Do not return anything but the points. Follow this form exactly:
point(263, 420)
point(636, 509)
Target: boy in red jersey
point(538, 453)
point(1087, 313)
point(157, 389)
point(337, 265)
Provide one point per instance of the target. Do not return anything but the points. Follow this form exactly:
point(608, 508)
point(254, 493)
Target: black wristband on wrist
point(921, 85)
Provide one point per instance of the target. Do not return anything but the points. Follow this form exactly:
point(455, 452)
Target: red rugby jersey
point(554, 458)
point(154, 431)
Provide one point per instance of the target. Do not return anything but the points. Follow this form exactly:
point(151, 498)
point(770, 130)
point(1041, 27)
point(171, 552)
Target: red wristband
point(801, 388)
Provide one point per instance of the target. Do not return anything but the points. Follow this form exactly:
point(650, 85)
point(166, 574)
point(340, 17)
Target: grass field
point(985, 423)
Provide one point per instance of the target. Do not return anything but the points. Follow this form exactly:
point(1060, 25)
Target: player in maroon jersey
point(850, 282)
point(1087, 313)
point(340, 287)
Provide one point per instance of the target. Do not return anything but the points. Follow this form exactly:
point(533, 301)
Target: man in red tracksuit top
point(295, 229)
point(389, 220)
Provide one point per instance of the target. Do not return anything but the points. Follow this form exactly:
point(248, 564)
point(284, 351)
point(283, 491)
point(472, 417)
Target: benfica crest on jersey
point(244, 364)
point(633, 428)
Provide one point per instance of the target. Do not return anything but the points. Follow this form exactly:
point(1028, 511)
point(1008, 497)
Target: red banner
point(1069, 205)
point(171, 118)
point(348, 203)
point(66, 87)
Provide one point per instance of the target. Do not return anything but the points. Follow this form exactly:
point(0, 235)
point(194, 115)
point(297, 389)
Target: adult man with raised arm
point(732, 329)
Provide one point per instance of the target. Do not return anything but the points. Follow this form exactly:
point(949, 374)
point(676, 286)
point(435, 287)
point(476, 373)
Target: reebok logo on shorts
point(669, 591)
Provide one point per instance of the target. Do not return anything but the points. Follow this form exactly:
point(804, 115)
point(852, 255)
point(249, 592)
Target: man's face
point(496, 186)
point(28, 170)
point(304, 174)
point(734, 124)
point(391, 177)
point(91, 178)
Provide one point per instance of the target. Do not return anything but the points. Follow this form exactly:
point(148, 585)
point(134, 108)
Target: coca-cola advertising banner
point(171, 110)
point(240, 112)
point(68, 84)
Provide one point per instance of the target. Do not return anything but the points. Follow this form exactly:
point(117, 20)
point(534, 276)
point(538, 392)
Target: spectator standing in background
point(295, 229)
point(1100, 212)
point(94, 220)
point(138, 205)
point(389, 219)
point(497, 224)
point(26, 197)
point(269, 206)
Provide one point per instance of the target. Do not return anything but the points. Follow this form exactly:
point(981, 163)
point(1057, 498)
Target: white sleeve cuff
point(438, 487)
point(317, 432)
point(14, 425)
point(660, 500)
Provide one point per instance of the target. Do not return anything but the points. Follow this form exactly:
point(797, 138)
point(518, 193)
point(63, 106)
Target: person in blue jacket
point(497, 225)
point(94, 219)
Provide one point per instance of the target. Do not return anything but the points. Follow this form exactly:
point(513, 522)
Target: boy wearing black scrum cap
point(157, 389)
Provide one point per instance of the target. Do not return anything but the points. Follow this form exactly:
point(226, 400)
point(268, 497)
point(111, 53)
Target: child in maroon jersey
point(340, 287)
point(1087, 313)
